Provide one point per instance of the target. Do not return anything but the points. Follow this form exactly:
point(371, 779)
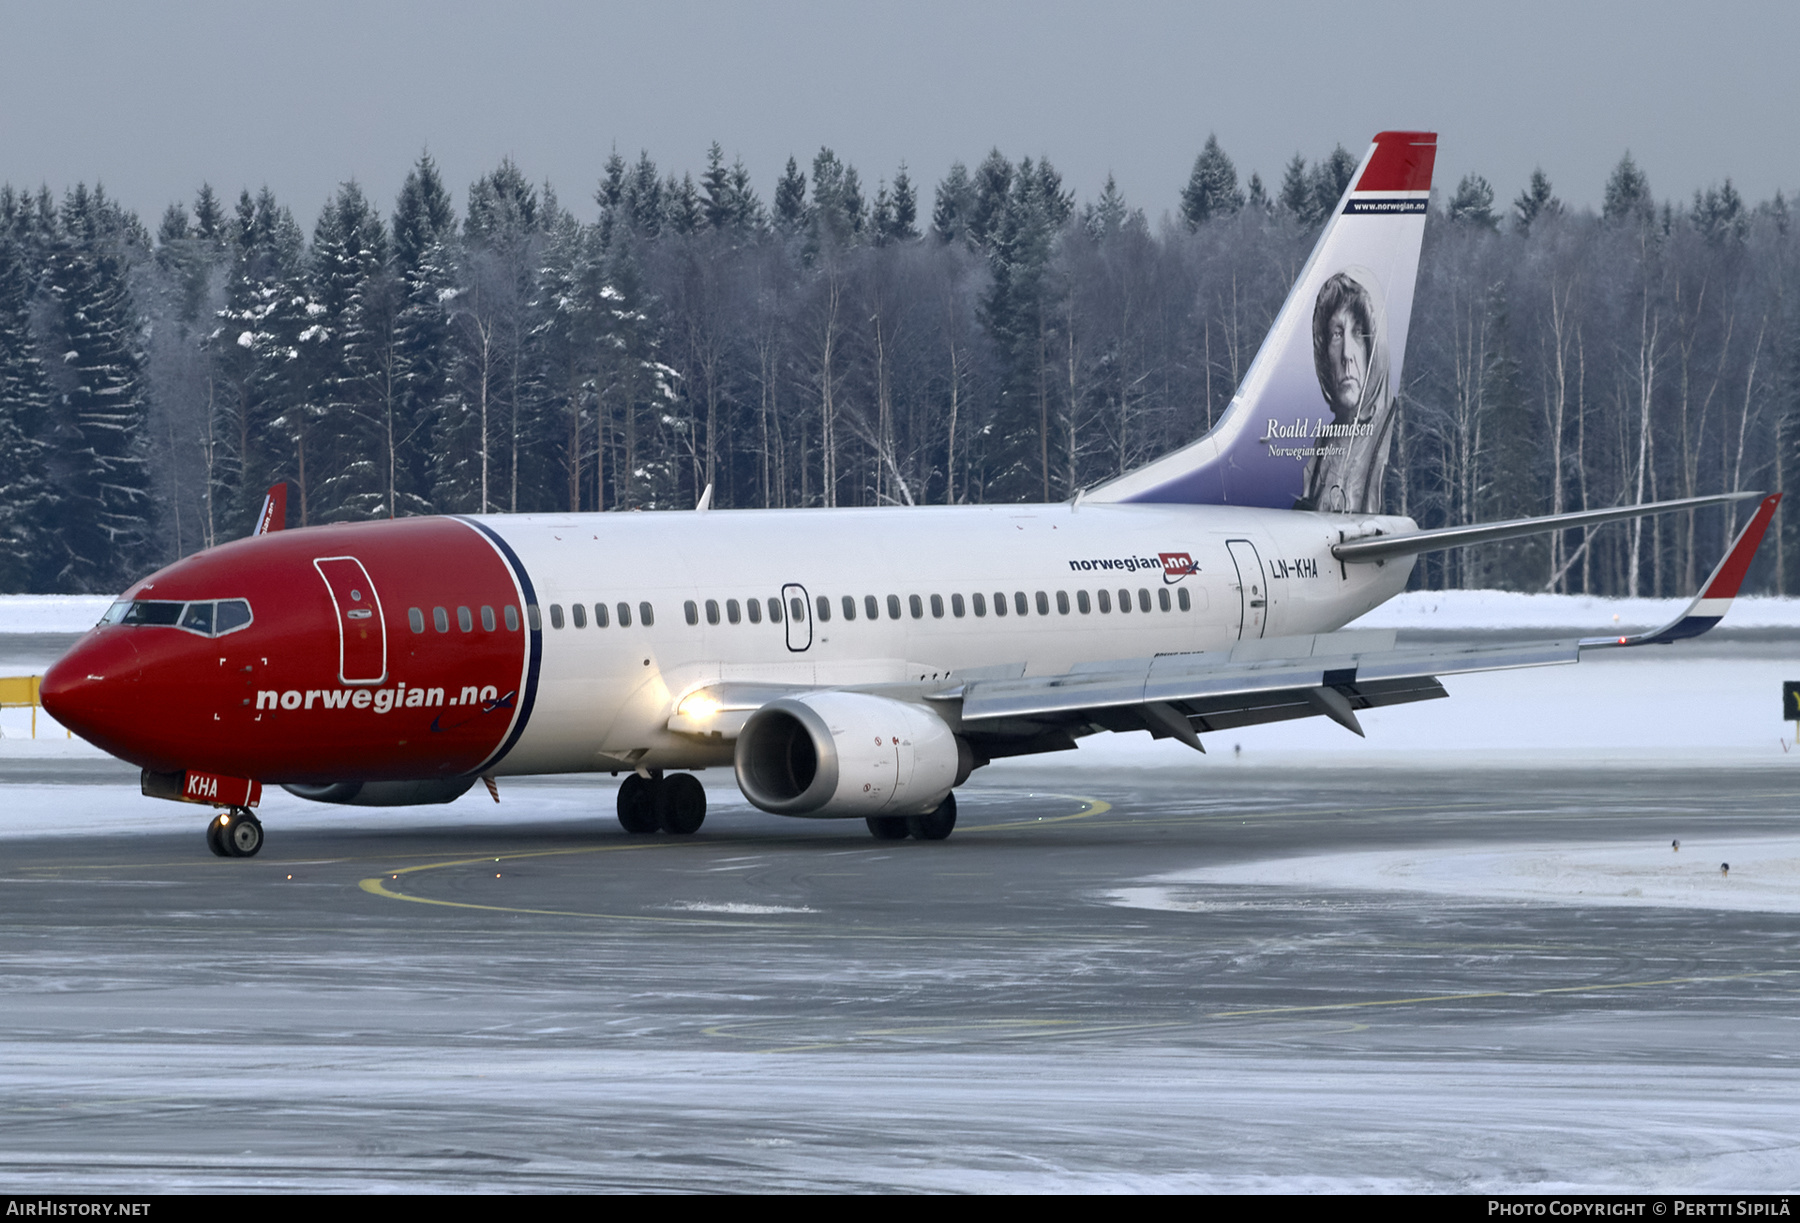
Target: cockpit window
point(206, 619)
point(233, 614)
point(149, 612)
point(198, 618)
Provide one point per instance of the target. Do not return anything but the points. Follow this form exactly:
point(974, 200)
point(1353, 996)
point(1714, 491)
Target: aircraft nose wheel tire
point(240, 833)
point(680, 804)
point(637, 804)
point(888, 827)
point(215, 837)
point(936, 825)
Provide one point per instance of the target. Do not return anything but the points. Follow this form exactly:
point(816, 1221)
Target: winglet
point(274, 510)
point(1714, 599)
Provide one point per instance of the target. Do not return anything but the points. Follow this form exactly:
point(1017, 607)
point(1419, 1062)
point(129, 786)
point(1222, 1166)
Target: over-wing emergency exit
point(854, 663)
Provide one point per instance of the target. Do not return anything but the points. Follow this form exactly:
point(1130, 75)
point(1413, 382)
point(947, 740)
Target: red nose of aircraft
point(93, 690)
point(376, 651)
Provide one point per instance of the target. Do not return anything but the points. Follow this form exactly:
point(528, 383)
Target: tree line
point(834, 345)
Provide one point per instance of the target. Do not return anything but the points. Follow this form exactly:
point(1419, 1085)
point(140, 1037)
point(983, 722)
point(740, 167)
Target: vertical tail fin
point(274, 511)
point(1310, 425)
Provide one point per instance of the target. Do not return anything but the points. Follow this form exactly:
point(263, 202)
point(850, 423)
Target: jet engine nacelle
point(385, 793)
point(846, 754)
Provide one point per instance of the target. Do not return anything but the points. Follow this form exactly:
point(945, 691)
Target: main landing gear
point(933, 826)
point(675, 804)
point(236, 833)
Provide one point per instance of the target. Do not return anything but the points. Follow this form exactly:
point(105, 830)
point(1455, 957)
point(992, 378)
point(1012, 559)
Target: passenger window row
point(1020, 604)
point(578, 615)
point(731, 611)
point(465, 619)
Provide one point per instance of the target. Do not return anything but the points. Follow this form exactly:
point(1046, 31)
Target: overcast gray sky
point(154, 98)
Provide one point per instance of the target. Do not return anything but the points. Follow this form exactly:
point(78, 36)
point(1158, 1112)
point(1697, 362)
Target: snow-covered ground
point(1503, 609)
point(1764, 875)
point(51, 613)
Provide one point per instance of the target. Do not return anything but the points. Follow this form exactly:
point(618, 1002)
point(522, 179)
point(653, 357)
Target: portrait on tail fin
point(1350, 356)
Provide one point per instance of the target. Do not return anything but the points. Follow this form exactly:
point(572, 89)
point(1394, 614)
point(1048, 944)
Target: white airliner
point(854, 663)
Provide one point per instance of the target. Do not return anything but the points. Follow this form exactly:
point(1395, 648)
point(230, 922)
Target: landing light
point(699, 708)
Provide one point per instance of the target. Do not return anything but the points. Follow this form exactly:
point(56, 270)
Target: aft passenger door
point(1252, 587)
point(362, 631)
point(799, 617)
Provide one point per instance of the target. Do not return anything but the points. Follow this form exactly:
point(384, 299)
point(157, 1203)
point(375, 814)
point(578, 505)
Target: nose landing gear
point(675, 804)
point(236, 833)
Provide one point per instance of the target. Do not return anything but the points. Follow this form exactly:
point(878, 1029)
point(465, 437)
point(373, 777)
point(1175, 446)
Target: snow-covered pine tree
point(1022, 317)
point(1628, 194)
point(424, 232)
point(261, 377)
point(954, 201)
point(790, 200)
point(25, 502)
point(1295, 195)
point(1473, 203)
point(355, 338)
point(1536, 200)
point(1212, 188)
point(95, 445)
point(1328, 181)
point(905, 223)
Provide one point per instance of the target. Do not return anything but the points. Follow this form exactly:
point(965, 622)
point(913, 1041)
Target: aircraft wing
point(1333, 675)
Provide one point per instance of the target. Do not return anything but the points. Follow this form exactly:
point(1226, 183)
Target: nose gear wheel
point(235, 834)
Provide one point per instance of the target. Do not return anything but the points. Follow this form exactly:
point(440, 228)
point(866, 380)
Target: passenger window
point(1081, 602)
point(198, 618)
point(440, 619)
point(234, 614)
point(415, 619)
point(1181, 596)
point(712, 611)
point(1019, 603)
point(1124, 600)
point(980, 602)
point(731, 610)
point(1143, 599)
point(824, 609)
point(937, 607)
point(871, 608)
point(956, 606)
point(464, 620)
point(893, 607)
point(849, 607)
point(1105, 598)
point(532, 617)
point(774, 611)
point(579, 614)
point(512, 618)
point(1062, 602)
point(487, 619)
point(646, 615)
point(556, 620)
point(916, 606)
point(600, 615)
point(624, 610)
point(1043, 602)
point(691, 610)
point(797, 609)
point(999, 602)
point(1162, 597)
point(754, 607)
